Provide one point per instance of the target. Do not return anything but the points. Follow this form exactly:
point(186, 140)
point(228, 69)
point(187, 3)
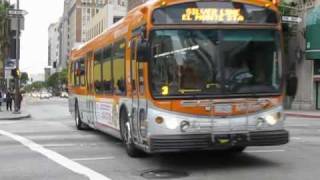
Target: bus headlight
point(171, 123)
point(273, 119)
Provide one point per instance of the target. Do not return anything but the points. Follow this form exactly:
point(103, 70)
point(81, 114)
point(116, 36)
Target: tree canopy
point(4, 33)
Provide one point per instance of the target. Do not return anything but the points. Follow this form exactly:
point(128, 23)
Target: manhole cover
point(163, 174)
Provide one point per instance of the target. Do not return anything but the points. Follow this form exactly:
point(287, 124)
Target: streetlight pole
point(17, 78)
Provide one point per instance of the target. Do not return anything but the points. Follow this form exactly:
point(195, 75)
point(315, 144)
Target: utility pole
point(17, 78)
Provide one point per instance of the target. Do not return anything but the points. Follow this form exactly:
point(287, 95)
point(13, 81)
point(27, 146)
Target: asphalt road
point(48, 146)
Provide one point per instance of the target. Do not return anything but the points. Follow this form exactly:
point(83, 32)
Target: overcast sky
point(34, 39)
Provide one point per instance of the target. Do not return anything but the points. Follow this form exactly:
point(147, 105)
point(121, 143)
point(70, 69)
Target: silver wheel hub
point(127, 133)
point(77, 118)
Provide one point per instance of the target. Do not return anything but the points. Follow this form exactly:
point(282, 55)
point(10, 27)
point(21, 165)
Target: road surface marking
point(93, 159)
point(58, 145)
point(265, 151)
point(56, 157)
point(4, 123)
point(295, 138)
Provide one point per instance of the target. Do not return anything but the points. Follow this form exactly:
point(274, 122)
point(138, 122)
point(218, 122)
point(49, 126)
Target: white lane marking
point(265, 151)
point(93, 159)
point(56, 157)
point(4, 123)
point(295, 138)
point(58, 145)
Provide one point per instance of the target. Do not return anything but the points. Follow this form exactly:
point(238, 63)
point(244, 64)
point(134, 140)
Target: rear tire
point(125, 130)
point(79, 124)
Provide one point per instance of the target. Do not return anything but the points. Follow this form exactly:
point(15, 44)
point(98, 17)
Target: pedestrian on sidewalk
point(1, 99)
point(20, 98)
point(9, 99)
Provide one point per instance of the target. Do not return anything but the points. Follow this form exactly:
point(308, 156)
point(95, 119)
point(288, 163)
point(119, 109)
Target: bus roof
point(135, 16)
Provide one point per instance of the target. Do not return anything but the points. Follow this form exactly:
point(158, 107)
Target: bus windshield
point(215, 62)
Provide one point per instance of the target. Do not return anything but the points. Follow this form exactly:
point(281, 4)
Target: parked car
point(45, 95)
point(64, 94)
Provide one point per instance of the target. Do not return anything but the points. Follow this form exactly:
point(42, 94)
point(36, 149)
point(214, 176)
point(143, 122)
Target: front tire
point(125, 129)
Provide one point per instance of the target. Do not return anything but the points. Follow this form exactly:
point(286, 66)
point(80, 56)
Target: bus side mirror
point(143, 52)
point(292, 86)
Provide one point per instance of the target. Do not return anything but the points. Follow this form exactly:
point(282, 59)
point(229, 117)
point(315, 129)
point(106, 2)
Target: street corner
point(14, 116)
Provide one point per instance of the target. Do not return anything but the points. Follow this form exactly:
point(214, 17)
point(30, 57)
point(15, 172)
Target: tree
point(63, 77)
point(38, 85)
point(57, 80)
point(4, 34)
point(24, 78)
point(53, 82)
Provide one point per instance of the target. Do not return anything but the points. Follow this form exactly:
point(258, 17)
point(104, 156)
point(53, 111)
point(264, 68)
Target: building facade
point(303, 52)
point(134, 3)
point(80, 13)
point(108, 15)
point(53, 45)
point(64, 37)
point(47, 73)
point(73, 25)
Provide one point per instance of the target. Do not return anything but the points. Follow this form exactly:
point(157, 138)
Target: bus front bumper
point(191, 142)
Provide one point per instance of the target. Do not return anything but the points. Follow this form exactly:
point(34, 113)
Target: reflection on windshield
point(215, 62)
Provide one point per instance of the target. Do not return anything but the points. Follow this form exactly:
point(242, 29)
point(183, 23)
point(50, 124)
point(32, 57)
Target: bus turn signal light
point(159, 120)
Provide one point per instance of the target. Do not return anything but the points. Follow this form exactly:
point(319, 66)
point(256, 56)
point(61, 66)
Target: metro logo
point(212, 15)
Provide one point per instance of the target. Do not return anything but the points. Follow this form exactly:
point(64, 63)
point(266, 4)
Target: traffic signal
point(15, 73)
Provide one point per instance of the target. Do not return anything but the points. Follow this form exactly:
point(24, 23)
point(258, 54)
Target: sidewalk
point(5, 115)
point(305, 114)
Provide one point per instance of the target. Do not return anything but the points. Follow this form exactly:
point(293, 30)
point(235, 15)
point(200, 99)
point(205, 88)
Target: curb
point(302, 115)
point(25, 116)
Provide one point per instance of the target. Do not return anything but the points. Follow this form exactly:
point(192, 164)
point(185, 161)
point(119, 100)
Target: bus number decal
point(165, 90)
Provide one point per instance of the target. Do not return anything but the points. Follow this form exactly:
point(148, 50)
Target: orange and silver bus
point(184, 75)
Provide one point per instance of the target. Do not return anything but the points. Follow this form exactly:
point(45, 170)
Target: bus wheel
point(125, 130)
point(79, 124)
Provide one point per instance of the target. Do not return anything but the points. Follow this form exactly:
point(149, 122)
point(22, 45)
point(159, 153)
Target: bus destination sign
point(212, 15)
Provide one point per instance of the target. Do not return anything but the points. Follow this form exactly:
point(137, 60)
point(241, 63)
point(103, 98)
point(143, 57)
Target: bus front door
point(139, 103)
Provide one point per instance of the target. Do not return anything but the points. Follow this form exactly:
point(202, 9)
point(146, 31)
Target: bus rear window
point(214, 13)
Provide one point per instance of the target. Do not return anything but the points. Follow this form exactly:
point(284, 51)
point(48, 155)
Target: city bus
point(184, 75)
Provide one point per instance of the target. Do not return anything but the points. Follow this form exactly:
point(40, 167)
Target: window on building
point(119, 67)
point(116, 19)
point(316, 65)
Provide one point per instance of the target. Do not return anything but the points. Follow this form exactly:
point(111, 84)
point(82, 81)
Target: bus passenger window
point(71, 74)
point(97, 72)
point(82, 72)
point(106, 72)
point(133, 63)
point(119, 67)
point(76, 74)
